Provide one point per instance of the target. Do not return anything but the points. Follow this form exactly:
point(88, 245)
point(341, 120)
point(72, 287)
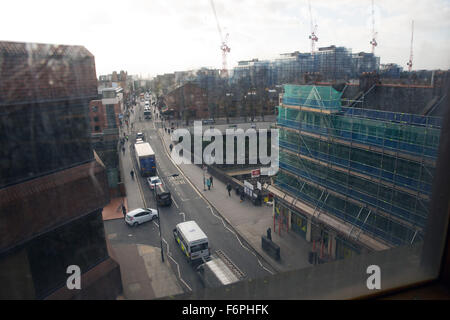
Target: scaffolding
point(372, 169)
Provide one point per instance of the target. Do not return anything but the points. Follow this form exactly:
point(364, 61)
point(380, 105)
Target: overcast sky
point(151, 37)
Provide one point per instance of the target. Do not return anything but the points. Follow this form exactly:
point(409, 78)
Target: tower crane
point(410, 62)
point(313, 35)
point(224, 46)
point(373, 42)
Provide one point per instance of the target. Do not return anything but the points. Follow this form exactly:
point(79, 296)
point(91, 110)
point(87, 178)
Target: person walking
point(124, 210)
point(229, 189)
point(212, 181)
point(123, 150)
point(208, 183)
point(132, 174)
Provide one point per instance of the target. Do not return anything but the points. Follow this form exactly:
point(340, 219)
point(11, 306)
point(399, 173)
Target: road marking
point(178, 267)
point(237, 237)
point(175, 203)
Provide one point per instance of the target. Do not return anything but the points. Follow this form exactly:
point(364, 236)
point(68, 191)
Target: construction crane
point(410, 62)
point(224, 46)
point(373, 42)
point(313, 35)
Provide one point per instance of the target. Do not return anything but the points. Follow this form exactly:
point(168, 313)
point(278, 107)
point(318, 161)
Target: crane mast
point(313, 35)
point(373, 42)
point(410, 62)
point(224, 46)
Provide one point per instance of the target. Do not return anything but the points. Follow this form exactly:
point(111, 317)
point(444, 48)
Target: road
point(188, 204)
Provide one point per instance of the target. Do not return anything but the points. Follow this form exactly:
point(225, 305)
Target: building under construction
point(327, 64)
point(352, 180)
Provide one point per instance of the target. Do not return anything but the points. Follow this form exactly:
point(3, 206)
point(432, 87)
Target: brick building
point(52, 188)
point(187, 102)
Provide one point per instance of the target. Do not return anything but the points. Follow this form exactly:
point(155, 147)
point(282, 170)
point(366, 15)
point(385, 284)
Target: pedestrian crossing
point(177, 180)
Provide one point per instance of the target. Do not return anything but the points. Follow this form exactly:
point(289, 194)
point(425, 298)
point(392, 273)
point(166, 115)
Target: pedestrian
point(124, 210)
point(171, 147)
point(229, 189)
point(123, 150)
point(132, 174)
point(242, 195)
point(126, 137)
point(208, 183)
point(269, 234)
point(212, 181)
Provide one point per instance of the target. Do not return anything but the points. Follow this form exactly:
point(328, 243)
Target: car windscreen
point(164, 195)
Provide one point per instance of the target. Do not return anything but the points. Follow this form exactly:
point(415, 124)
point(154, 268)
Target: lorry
point(218, 271)
point(145, 157)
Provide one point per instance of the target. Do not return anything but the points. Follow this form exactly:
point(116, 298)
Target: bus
point(192, 241)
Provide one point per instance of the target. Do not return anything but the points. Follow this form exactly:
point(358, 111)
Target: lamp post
point(159, 219)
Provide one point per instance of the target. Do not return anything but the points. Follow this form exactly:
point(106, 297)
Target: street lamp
point(159, 219)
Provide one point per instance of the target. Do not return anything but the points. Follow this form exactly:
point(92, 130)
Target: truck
point(145, 157)
point(218, 271)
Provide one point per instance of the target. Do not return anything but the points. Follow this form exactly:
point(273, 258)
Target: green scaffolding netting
point(318, 97)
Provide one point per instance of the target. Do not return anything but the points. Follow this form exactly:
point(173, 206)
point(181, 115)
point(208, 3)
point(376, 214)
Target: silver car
point(139, 216)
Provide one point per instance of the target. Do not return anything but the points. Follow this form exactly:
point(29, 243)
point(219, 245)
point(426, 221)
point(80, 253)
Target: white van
point(192, 240)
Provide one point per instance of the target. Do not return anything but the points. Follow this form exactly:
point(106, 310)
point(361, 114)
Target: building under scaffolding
point(352, 180)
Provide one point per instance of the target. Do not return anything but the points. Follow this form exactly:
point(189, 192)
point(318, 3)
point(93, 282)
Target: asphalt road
point(188, 205)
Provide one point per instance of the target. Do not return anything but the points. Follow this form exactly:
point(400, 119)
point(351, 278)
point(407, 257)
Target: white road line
point(175, 203)
point(178, 267)
point(237, 237)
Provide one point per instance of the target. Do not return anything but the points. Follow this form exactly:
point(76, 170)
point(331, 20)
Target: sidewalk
point(144, 275)
point(251, 222)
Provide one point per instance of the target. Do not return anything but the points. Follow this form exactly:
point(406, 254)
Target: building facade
point(52, 189)
point(187, 102)
point(105, 121)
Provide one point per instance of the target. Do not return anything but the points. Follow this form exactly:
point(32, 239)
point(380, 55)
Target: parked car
point(139, 216)
point(154, 181)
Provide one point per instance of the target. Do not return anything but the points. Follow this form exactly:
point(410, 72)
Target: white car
point(139, 216)
point(154, 181)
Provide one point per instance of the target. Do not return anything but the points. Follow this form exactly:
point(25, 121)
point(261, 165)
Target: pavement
point(251, 222)
point(144, 275)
